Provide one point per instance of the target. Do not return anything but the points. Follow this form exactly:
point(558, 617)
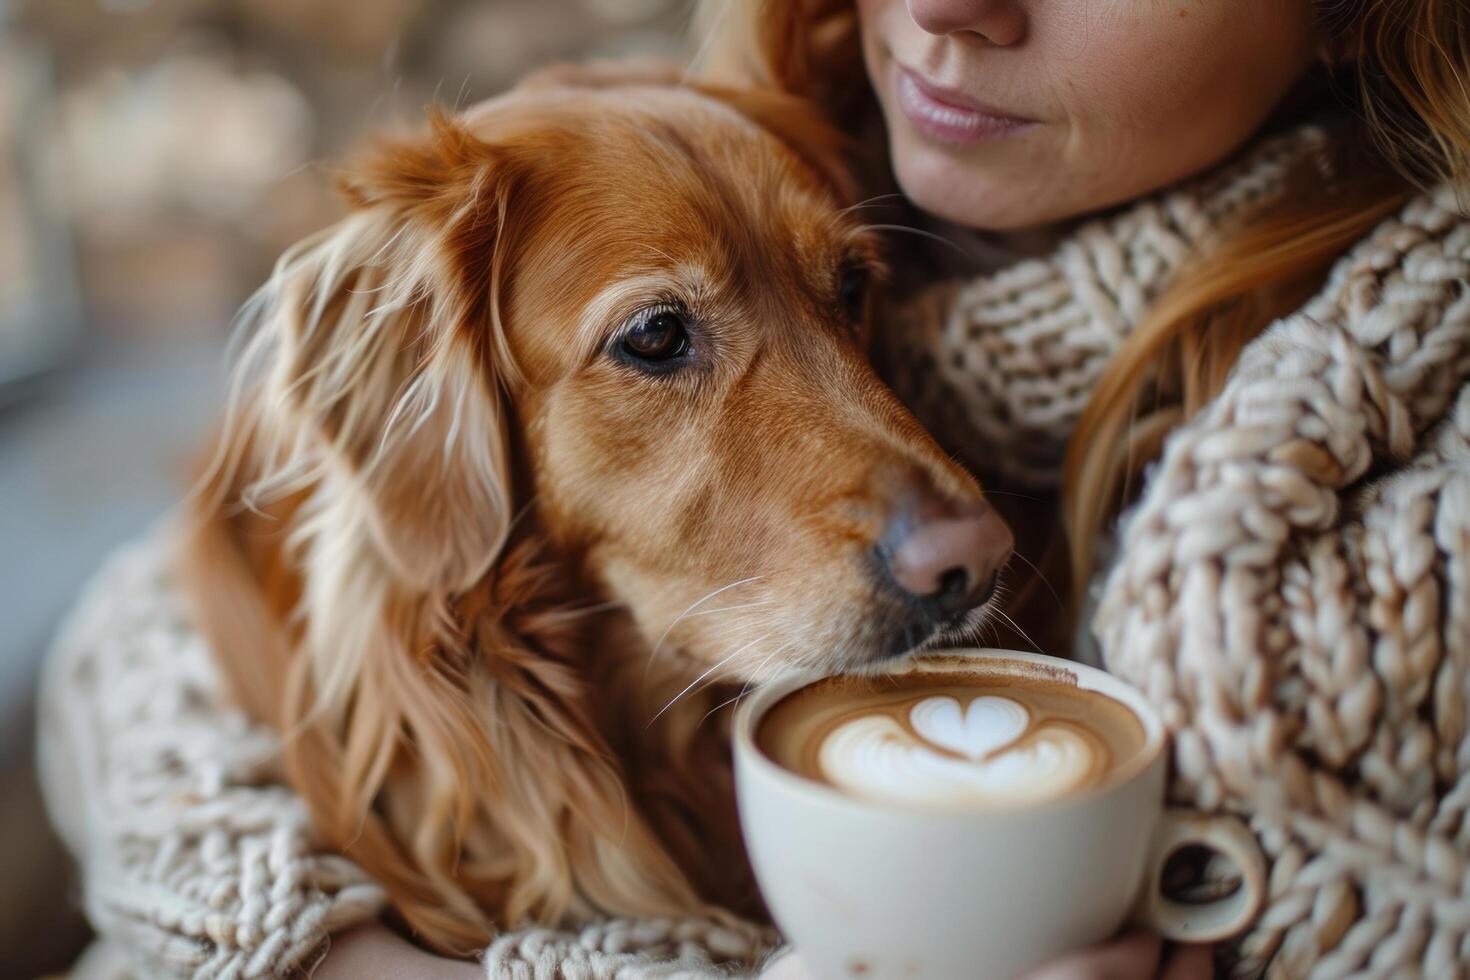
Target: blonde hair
point(1401, 87)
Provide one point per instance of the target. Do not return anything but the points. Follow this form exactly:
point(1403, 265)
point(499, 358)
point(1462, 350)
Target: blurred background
point(155, 157)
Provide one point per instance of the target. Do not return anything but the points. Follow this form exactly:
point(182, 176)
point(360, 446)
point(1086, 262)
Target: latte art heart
point(953, 738)
point(987, 753)
point(987, 723)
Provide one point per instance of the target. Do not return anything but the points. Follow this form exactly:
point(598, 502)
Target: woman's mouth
point(949, 116)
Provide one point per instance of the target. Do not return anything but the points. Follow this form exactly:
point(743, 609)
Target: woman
point(1223, 285)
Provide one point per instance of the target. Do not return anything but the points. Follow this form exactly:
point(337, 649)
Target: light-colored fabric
point(1305, 630)
point(1293, 587)
point(196, 859)
point(623, 949)
point(1294, 592)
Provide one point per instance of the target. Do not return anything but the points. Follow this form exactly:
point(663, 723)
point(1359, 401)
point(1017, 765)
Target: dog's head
point(610, 319)
point(633, 316)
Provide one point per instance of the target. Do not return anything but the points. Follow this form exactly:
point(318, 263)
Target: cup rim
point(749, 714)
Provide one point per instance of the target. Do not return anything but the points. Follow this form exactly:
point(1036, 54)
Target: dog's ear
point(384, 363)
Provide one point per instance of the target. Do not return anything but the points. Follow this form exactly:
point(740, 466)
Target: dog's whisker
point(574, 612)
point(917, 231)
point(716, 708)
point(971, 629)
point(723, 704)
point(521, 513)
point(771, 656)
point(648, 665)
point(755, 672)
point(755, 675)
point(1041, 577)
point(1015, 626)
point(866, 203)
point(722, 609)
point(745, 689)
point(718, 664)
point(750, 682)
point(1011, 493)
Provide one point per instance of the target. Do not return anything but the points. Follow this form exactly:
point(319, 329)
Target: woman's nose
point(1001, 22)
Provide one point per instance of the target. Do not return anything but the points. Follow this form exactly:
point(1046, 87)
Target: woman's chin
point(963, 193)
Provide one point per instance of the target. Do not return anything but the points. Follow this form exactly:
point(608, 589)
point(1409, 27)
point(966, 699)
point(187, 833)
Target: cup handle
point(1202, 922)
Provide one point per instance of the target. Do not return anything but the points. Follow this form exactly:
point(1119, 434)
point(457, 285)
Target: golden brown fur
point(452, 546)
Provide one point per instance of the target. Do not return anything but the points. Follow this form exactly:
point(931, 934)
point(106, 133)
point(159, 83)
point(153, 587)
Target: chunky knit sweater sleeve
point(197, 861)
point(1293, 591)
point(1293, 586)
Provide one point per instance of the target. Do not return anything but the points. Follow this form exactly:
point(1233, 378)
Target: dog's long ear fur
point(380, 354)
point(436, 727)
point(372, 384)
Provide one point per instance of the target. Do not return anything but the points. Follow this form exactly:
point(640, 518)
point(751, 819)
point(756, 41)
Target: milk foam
point(983, 726)
point(988, 752)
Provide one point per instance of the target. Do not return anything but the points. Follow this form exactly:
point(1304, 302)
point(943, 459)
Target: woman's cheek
point(1152, 99)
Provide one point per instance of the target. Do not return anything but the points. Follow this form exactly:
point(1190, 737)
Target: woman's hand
point(375, 952)
point(1133, 956)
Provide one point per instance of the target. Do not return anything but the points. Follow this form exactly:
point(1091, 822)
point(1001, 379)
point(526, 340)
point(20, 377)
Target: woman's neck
point(1031, 243)
point(990, 251)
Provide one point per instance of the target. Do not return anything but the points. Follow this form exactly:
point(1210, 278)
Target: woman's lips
point(949, 116)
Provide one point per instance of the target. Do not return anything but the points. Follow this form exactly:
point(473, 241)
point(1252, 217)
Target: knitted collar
point(1020, 349)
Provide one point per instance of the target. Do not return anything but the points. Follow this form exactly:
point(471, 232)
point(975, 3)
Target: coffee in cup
point(969, 815)
point(977, 739)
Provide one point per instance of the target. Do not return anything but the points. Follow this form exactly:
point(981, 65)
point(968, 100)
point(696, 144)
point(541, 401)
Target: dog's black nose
point(945, 556)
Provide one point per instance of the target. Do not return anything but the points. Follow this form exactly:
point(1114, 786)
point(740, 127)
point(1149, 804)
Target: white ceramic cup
point(876, 890)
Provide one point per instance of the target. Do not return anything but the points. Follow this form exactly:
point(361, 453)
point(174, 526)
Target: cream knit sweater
point(1293, 589)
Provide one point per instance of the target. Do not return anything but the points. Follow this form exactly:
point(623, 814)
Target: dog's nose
point(946, 554)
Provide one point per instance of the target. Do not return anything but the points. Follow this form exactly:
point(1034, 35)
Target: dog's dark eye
point(852, 290)
point(659, 337)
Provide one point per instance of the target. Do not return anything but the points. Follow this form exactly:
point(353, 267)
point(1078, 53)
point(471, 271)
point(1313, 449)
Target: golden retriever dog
point(563, 434)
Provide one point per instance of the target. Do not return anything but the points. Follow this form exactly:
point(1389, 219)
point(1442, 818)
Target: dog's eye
point(658, 337)
point(852, 290)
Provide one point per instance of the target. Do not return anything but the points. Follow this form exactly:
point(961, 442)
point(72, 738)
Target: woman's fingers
point(1131, 956)
point(372, 951)
point(1188, 962)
